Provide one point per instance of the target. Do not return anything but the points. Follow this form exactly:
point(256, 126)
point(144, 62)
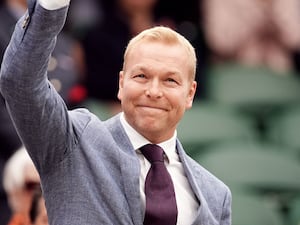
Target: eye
point(139, 76)
point(171, 80)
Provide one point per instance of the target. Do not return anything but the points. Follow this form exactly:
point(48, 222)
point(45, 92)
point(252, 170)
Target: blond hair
point(166, 36)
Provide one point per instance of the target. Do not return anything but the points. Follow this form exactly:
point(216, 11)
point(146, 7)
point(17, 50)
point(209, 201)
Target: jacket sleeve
point(38, 112)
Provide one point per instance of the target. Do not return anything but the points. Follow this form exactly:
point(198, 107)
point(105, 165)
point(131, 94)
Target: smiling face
point(155, 88)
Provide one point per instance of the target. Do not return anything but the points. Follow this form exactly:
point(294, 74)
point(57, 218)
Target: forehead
point(153, 45)
point(157, 54)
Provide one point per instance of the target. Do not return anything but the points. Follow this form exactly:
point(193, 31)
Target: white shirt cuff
point(53, 4)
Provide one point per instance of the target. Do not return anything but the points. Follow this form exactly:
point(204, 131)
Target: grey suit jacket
point(89, 169)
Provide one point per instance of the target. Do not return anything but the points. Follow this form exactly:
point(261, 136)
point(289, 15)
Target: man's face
point(155, 89)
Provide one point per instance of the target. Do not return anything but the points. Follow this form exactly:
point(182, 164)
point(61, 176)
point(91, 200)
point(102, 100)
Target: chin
point(147, 126)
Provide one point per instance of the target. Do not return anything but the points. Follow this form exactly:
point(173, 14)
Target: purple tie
point(161, 208)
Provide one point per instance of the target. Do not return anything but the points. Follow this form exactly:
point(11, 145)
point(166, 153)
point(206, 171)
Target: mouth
point(152, 108)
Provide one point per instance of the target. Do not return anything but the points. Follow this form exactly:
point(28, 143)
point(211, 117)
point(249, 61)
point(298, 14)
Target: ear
point(191, 94)
point(121, 80)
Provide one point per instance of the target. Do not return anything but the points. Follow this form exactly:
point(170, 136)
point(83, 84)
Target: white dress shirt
point(186, 201)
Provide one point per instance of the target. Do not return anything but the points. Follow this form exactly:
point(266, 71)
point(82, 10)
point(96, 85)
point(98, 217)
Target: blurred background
point(244, 126)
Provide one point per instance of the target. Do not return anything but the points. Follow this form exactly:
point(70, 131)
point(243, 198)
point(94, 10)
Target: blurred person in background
point(66, 68)
point(38, 213)
point(253, 32)
point(20, 180)
point(82, 16)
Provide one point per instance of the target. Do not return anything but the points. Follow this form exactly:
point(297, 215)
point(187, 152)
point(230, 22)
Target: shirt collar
point(137, 140)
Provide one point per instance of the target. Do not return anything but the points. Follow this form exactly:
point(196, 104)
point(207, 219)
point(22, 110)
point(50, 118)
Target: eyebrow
point(139, 67)
point(142, 68)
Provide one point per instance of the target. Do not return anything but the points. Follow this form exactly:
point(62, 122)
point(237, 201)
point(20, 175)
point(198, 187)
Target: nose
point(154, 89)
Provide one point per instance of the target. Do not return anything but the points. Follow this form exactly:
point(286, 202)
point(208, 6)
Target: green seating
point(97, 107)
point(256, 166)
point(207, 123)
point(256, 89)
point(249, 209)
point(284, 129)
point(294, 212)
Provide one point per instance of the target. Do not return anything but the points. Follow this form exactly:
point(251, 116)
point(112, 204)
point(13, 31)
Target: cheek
point(180, 100)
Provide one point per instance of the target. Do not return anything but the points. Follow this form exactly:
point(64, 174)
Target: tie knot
point(153, 153)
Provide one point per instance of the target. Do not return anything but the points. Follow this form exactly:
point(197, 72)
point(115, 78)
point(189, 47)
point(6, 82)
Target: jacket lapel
point(204, 216)
point(130, 169)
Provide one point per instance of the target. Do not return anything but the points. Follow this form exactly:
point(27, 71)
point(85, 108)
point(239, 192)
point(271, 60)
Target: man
point(92, 171)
